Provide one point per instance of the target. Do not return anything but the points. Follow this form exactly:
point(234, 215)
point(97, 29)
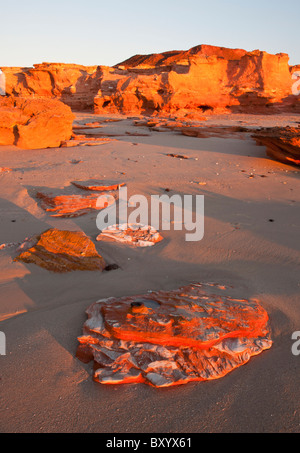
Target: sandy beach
point(251, 244)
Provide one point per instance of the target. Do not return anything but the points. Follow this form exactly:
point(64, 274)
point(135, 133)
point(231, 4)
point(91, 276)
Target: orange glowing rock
point(133, 234)
point(282, 143)
point(202, 80)
point(95, 124)
point(64, 204)
point(166, 338)
point(32, 123)
point(93, 184)
point(61, 251)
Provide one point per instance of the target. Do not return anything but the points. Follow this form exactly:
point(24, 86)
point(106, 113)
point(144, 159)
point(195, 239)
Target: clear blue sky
point(107, 32)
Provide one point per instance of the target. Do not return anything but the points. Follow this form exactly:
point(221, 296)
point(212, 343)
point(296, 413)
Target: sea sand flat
point(44, 388)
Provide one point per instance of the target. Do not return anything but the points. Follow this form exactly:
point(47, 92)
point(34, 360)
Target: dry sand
point(44, 388)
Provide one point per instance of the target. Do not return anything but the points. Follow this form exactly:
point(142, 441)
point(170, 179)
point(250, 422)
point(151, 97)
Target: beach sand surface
point(251, 243)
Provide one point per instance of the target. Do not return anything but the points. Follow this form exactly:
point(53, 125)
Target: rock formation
point(282, 144)
point(32, 123)
point(166, 338)
point(132, 234)
point(93, 184)
point(85, 140)
point(75, 85)
point(61, 251)
point(68, 202)
point(204, 79)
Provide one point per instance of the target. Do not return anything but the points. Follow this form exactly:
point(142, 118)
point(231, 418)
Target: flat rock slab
point(282, 143)
point(133, 234)
point(96, 184)
point(85, 140)
point(61, 251)
point(166, 338)
point(68, 202)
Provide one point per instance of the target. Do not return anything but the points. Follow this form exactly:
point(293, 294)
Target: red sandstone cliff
point(75, 85)
point(204, 78)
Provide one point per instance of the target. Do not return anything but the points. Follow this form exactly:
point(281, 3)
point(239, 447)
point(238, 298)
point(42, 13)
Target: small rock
point(61, 251)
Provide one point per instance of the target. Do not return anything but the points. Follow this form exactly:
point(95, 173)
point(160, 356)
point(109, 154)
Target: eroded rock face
point(204, 79)
point(75, 85)
point(32, 123)
point(61, 251)
point(168, 338)
point(282, 144)
point(133, 234)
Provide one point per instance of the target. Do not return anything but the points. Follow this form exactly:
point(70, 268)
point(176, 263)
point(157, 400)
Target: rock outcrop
point(204, 79)
point(132, 234)
point(61, 251)
point(68, 202)
point(94, 184)
point(166, 338)
point(282, 144)
point(32, 123)
point(75, 85)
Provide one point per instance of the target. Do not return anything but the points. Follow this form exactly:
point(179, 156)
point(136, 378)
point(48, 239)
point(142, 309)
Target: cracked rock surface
point(166, 338)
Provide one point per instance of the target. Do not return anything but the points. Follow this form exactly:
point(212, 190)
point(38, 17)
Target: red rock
point(282, 144)
point(94, 184)
point(85, 140)
point(95, 124)
point(75, 85)
point(68, 203)
point(132, 234)
point(204, 79)
point(32, 123)
point(178, 156)
point(61, 251)
point(168, 338)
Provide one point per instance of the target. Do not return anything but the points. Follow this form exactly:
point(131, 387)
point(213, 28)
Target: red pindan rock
point(94, 184)
point(204, 79)
point(32, 123)
point(283, 144)
point(61, 251)
point(166, 338)
point(75, 85)
point(68, 203)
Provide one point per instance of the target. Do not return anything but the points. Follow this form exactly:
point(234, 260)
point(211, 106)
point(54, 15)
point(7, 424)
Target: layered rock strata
point(166, 338)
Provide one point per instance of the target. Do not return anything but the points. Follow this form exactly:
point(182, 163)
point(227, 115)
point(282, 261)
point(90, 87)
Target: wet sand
point(44, 388)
